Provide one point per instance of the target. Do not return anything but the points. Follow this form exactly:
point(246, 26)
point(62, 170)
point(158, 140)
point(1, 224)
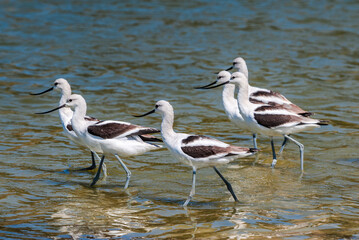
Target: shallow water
point(123, 57)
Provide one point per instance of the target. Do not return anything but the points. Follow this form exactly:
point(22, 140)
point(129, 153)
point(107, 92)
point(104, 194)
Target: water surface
point(123, 57)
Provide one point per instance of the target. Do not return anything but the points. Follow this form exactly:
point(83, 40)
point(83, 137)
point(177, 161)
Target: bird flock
point(253, 109)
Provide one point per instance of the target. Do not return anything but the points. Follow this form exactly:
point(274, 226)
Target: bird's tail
point(150, 138)
point(253, 150)
point(306, 114)
point(323, 122)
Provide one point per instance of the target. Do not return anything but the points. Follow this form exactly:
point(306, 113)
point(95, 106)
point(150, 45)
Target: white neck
point(65, 113)
point(167, 126)
point(78, 120)
point(243, 100)
point(242, 67)
point(65, 94)
point(229, 101)
point(244, 70)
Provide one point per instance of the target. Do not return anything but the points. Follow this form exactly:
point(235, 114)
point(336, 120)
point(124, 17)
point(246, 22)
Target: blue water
point(123, 56)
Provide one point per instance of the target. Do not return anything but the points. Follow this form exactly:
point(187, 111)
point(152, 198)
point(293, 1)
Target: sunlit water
point(123, 57)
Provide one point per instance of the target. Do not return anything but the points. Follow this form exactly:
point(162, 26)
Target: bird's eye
point(70, 100)
point(156, 106)
point(56, 84)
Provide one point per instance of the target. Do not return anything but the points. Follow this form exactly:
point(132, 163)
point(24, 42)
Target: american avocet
point(109, 137)
point(196, 150)
point(65, 114)
point(262, 95)
point(231, 106)
point(272, 119)
point(230, 102)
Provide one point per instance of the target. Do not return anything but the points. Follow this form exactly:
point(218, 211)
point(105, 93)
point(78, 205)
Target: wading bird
point(122, 139)
point(196, 150)
point(271, 119)
point(262, 95)
point(65, 114)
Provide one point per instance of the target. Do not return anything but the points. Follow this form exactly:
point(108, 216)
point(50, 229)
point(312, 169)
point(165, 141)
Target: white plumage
point(62, 85)
point(109, 137)
point(196, 150)
point(271, 119)
point(262, 95)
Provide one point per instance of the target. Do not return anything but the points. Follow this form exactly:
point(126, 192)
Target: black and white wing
point(275, 116)
point(115, 129)
point(198, 146)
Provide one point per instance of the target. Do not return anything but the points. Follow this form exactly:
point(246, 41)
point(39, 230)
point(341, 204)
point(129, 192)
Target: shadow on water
point(193, 204)
point(353, 162)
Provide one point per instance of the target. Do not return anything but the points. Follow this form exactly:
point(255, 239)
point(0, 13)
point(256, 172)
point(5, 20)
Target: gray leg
point(128, 172)
point(301, 150)
point(283, 145)
point(193, 190)
point(255, 140)
point(274, 162)
point(97, 176)
point(229, 186)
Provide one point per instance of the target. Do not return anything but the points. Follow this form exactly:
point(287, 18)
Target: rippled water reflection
point(123, 56)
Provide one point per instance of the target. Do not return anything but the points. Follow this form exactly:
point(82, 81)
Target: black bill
point(64, 105)
point(48, 90)
point(150, 112)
